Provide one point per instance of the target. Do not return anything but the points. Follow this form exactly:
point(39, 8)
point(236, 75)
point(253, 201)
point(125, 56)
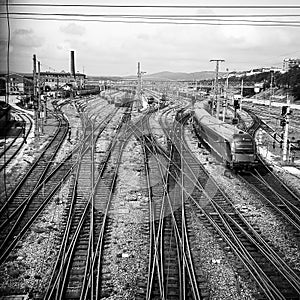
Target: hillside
point(166, 75)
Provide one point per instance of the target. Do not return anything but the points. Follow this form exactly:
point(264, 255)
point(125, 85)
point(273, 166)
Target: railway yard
point(114, 202)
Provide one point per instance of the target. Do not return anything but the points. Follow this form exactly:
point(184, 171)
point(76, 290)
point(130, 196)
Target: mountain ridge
point(167, 75)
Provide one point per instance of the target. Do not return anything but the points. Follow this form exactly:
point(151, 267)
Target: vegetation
point(288, 82)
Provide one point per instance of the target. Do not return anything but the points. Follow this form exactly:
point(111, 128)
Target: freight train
point(235, 147)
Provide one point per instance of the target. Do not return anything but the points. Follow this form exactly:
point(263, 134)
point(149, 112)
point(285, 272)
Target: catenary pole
point(286, 131)
point(35, 100)
point(216, 87)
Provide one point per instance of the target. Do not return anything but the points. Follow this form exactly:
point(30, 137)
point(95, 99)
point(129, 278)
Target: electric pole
point(35, 100)
point(40, 105)
point(224, 110)
point(271, 94)
point(216, 87)
point(285, 145)
point(139, 90)
point(242, 90)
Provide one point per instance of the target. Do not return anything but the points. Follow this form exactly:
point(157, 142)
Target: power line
point(170, 15)
point(160, 6)
point(217, 23)
point(154, 17)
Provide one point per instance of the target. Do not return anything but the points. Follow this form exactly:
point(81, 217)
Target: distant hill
point(166, 75)
point(97, 78)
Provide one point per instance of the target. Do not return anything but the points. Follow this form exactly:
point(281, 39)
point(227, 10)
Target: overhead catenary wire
point(147, 21)
point(159, 6)
point(157, 17)
point(162, 15)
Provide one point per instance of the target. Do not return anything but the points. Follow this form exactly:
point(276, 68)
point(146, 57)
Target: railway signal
point(285, 112)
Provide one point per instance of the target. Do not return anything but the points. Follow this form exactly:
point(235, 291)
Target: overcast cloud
point(114, 48)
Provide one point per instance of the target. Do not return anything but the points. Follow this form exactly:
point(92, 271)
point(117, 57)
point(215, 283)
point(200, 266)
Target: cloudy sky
point(111, 40)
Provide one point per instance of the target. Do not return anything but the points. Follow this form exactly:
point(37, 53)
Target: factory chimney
point(72, 64)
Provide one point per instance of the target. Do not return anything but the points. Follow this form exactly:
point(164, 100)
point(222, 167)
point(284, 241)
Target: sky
point(111, 45)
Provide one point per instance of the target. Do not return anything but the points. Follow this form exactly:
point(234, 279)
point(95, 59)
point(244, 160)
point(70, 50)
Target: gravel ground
point(157, 131)
point(124, 259)
point(76, 132)
point(221, 275)
point(21, 163)
point(29, 266)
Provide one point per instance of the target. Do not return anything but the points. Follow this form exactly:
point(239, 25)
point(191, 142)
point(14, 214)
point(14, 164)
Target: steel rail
point(291, 208)
point(241, 255)
point(59, 130)
point(152, 243)
point(63, 250)
point(293, 279)
point(7, 161)
point(88, 283)
point(292, 193)
point(186, 258)
point(73, 152)
point(72, 245)
point(89, 288)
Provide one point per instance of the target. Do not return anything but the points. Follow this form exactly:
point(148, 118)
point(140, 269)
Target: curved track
point(275, 279)
point(79, 262)
point(13, 148)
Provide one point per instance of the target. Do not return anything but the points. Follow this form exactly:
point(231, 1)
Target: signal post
point(285, 123)
point(216, 86)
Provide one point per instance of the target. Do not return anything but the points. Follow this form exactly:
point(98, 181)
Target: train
point(5, 117)
point(90, 90)
point(9, 126)
point(236, 148)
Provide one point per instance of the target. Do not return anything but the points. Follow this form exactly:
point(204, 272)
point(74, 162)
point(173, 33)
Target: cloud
point(26, 38)
point(73, 29)
point(143, 36)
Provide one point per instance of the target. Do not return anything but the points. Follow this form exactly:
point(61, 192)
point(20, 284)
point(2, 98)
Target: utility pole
point(139, 89)
point(271, 95)
point(35, 100)
point(40, 105)
point(224, 110)
point(217, 100)
point(242, 91)
point(286, 131)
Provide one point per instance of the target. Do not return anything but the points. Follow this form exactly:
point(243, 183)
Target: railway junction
point(119, 201)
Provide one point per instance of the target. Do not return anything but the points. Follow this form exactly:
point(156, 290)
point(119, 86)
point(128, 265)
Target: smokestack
point(72, 64)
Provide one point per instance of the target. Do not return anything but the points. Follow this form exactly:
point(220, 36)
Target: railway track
point(275, 193)
point(16, 206)
point(13, 148)
point(41, 167)
point(24, 205)
point(274, 277)
point(171, 272)
point(79, 263)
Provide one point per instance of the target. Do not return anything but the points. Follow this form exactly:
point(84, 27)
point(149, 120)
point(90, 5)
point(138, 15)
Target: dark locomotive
point(235, 147)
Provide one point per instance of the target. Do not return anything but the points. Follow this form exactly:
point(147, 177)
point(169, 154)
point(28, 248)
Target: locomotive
point(235, 147)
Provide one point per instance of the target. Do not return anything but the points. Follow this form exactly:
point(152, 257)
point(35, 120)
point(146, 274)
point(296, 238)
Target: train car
point(235, 147)
point(88, 91)
point(123, 101)
point(5, 117)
